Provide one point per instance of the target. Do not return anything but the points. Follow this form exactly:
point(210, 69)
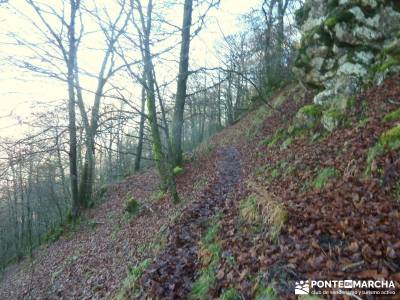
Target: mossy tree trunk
point(161, 159)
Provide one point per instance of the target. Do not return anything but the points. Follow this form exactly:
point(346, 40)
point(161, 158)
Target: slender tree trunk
point(141, 131)
point(282, 5)
point(177, 121)
point(229, 100)
point(219, 102)
point(163, 166)
point(66, 193)
point(71, 113)
point(88, 171)
point(193, 138)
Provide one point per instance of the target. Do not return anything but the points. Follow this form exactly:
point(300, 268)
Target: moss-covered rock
point(347, 45)
point(308, 116)
point(332, 118)
point(393, 48)
point(339, 14)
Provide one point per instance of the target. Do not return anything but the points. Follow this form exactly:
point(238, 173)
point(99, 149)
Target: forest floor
point(262, 207)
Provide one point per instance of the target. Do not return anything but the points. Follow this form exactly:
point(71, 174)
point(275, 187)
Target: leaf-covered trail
point(172, 273)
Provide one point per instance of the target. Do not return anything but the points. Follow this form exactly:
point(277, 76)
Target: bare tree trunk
point(141, 131)
point(282, 6)
point(71, 112)
point(179, 108)
point(66, 193)
point(106, 71)
point(219, 101)
point(229, 100)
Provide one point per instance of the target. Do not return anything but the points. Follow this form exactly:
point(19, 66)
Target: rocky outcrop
point(347, 45)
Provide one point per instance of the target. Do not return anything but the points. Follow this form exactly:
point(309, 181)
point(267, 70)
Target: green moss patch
point(391, 138)
point(130, 287)
point(393, 48)
point(392, 116)
point(373, 152)
point(275, 138)
point(308, 117)
point(157, 195)
point(324, 176)
point(54, 234)
point(314, 110)
point(132, 206)
point(332, 119)
point(266, 293)
point(338, 15)
point(230, 294)
point(286, 143)
point(210, 255)
point(387, 64)
point(177, 171)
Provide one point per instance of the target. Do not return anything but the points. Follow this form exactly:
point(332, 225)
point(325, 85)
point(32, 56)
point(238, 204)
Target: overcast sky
point(24, 92)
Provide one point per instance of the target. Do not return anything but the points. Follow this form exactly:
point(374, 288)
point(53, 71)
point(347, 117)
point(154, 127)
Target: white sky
point(22, 92)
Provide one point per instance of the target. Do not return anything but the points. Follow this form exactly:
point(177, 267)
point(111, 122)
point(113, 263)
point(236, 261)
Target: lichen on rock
point(347, 44)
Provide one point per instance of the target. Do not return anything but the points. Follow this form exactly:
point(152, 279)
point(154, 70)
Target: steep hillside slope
point(310, 204)
point(273, 199)
point(91, 260)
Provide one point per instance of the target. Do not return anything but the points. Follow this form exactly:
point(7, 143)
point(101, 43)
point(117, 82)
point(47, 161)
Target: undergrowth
point(324, 176)
point(130, 286)
point(230, 294)
point(389, 140)
point(261, 209)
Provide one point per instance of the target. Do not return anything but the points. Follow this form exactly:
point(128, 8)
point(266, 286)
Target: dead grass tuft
point(262, 208)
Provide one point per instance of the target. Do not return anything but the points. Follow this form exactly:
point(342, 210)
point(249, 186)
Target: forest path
point(172, 273)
